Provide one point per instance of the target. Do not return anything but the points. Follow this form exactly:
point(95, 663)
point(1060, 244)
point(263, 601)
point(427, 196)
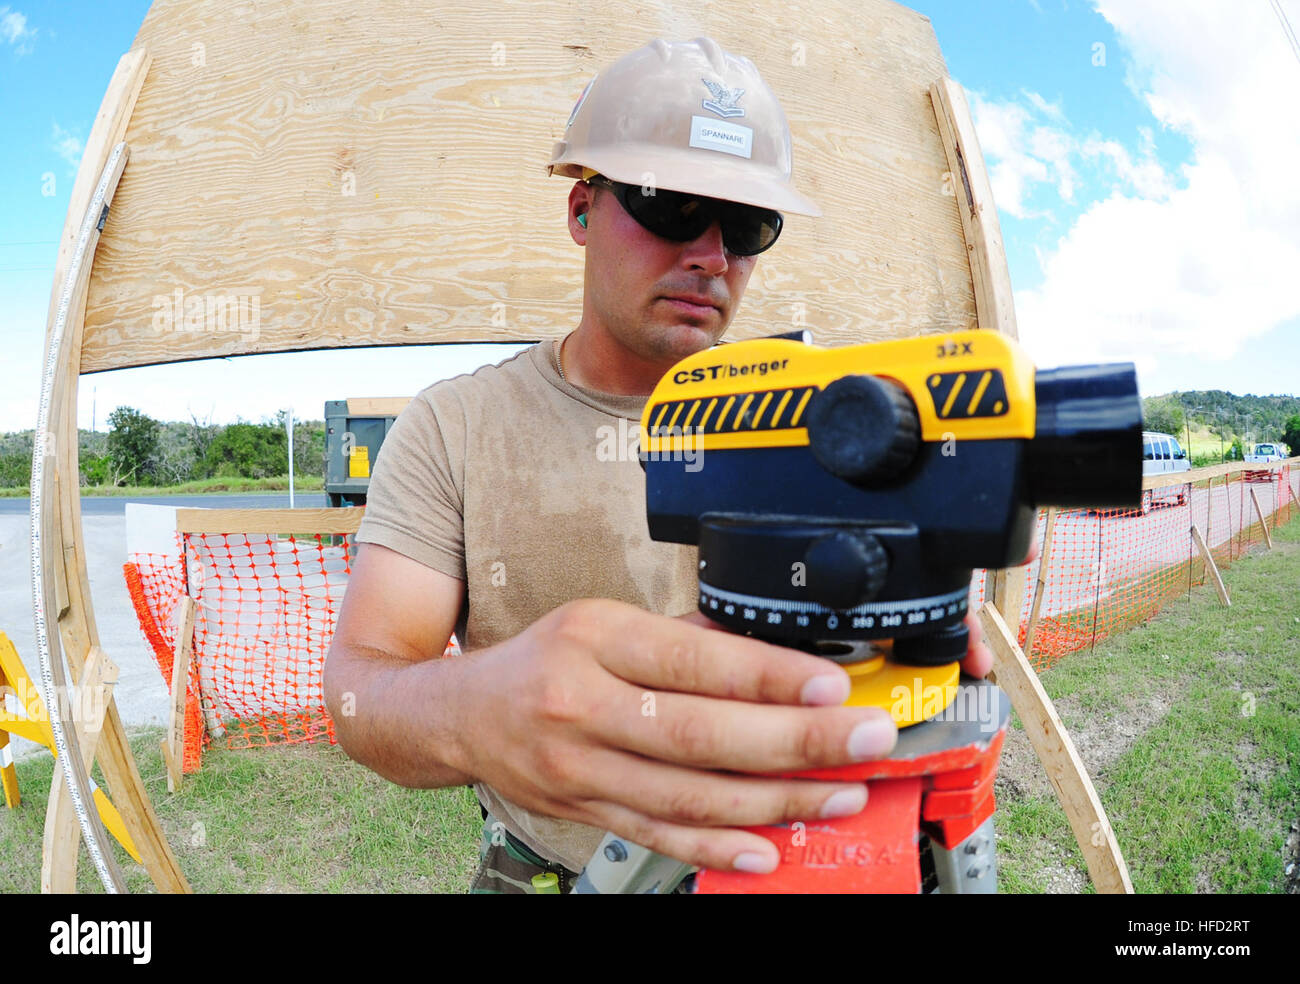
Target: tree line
point(1237, 420)
point(139, 450)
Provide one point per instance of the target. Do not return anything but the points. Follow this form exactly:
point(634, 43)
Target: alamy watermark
point(74, 937)
point(932, 702)
point(238, 311)
point(83, 705)
point(623, 443)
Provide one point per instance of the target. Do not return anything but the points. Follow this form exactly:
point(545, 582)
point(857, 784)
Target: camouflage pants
point(507, 866)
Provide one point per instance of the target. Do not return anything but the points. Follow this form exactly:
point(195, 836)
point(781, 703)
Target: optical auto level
point(847, 494)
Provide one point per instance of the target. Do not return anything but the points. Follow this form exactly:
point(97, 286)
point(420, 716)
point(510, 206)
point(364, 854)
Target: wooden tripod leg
point(67, 568)
point(1057, 753)
point(62, 833)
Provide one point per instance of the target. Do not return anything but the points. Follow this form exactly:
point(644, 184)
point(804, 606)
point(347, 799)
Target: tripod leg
point(620, 867)
point(970, 867)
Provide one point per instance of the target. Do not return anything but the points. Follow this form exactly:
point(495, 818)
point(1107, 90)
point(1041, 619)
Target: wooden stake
point(174, 744)
point(1009, 595)
point(1044, 559)
point(1268, 537)
point(1056, 751)
point(1211, 566)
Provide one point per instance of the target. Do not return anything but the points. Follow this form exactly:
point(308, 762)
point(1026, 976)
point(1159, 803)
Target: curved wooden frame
point(64, 581)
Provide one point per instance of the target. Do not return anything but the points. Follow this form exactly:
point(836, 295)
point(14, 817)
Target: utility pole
point(289, 422)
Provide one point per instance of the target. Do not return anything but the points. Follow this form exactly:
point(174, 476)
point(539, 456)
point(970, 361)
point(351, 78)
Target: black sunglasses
point(746, 229)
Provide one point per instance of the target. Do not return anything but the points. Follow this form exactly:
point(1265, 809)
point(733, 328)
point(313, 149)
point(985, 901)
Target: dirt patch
point(1203, 884)
point(1063, 879)
point(1020, 775)
point(1100, 737)
point(1231, 658)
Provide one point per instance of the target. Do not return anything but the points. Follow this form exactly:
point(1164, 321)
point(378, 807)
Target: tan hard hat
point(683, 116)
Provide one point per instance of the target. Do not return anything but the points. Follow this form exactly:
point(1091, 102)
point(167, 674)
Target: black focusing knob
point(948, 645)
point(846, 569)
point(863, 429)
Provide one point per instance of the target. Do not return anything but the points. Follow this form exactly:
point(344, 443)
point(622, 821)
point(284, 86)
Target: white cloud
point(68, 146)
point(1203, 268)
point(14, 31)
point(1026, 146)
point(1020, 153)
point(1147, 176)
point(1050, 110)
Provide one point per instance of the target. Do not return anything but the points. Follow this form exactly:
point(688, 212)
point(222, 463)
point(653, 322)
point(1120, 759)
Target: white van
point(1163, 455)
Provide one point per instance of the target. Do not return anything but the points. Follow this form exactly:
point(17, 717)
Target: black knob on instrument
point(845, 569)
point(948, 645)
point(863, 429)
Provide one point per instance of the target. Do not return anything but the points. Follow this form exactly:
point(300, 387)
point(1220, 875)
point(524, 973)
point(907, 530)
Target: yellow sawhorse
point(24, 714)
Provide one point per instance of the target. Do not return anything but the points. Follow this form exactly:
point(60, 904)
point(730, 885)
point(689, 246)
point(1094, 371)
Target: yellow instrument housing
point(970, 385)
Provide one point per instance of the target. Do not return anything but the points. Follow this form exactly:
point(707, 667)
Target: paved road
point(113, 505)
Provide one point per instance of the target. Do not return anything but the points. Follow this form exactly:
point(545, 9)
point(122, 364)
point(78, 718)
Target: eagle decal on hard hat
point(724, 100)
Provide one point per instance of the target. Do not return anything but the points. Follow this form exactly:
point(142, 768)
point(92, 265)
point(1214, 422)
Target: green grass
point(205, 486)
point(1190, 729)
point(291, 818)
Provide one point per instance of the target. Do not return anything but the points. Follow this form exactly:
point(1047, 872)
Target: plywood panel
point(375, 174)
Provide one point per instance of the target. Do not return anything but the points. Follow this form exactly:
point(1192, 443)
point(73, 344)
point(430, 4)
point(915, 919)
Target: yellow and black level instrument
point(841, 494)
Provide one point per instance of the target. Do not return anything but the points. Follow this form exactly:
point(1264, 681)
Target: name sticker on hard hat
point(730, 138)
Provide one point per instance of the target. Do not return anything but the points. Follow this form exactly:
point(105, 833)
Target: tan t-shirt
point(527, 488)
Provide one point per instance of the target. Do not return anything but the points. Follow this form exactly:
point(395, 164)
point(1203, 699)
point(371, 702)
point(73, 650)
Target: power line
point(1286, 28)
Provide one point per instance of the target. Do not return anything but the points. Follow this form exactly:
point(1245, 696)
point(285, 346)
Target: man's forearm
point(394, 716)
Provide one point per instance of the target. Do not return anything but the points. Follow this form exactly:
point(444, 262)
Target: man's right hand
point(637, 723)
point(599, 712)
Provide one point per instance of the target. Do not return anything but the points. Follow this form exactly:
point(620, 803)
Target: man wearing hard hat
point(579, 705)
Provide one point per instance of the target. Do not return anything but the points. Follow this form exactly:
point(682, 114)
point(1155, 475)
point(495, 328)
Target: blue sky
point(1143, 185)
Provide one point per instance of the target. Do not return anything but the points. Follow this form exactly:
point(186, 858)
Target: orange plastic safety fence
point(265, 611)
point(163, 592)
point(1111, 570)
